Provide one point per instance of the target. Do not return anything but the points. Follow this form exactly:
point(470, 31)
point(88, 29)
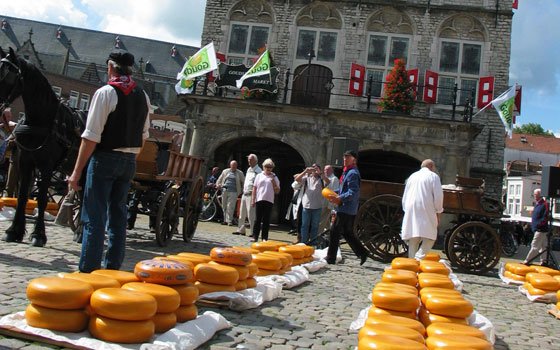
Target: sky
point(535, 47)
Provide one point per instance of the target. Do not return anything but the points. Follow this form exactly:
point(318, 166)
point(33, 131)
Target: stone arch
point(258, 11)
point(463, 27)
point(319, 15)
point(390, 20)
point(389, 166)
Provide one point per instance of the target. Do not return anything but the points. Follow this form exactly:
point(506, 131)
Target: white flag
point(202, 62)
point(504, 105)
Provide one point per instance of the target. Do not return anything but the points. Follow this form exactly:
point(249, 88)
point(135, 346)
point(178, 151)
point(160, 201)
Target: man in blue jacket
point(539, 226)
point(347, 201)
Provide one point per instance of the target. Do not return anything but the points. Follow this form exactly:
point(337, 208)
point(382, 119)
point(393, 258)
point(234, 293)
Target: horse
point(47, 138)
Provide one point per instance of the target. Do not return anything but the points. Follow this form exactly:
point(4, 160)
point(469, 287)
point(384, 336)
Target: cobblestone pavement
point(315, 315)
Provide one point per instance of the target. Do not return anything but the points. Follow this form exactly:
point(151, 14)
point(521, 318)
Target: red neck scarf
point(123, 83)
point(344, 170)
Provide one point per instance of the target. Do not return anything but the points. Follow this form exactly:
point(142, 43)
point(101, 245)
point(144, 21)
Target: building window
point(84, 102)
point(323, 44)
point(73, 99)
point(459, 62)
point(245, 42)
point(383, 50)
point(57, 91)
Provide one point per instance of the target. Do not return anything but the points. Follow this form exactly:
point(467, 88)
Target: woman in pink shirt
point(265, 187)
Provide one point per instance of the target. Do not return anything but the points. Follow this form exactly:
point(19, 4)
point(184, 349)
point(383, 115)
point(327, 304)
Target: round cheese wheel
point(532, 290)
point(399, 286)
point(390, 329)
point(428, 318)
point(177, 258)
point(230, 256)
point(558, 304)
point(167, 298)
point(425, 296)
point(73, 321)
point(519, 269)
point(558, 295)
point(196, 258)
point(457, 342)
point(188, 293)
point(389, 342)
point(164, 321)
point(296, 251)
point(438, 289)
point(328, 194)
point(454, 329)
point(240, 285)
point(405, 264)
point(253, 269)
point(267, 262)
point(309, 250)
point(247, 249)
point(426, 279)
point(432, 256)
point(123, 304)
point(243, 271)
point(9, 201)
point(395, 300)
point(544, 281)
point(251, 282)
point(301, 261)
point(117, 331)
point(434, 267)
point(403, 321)
point(59, 293)
point(96, 281)
point(400, 276)
point(546, 270)
point(452, 307)
point(166, 272)
point(374, 310)
point(121, 276)
point(204, 288)
point(263, 273)
point(514, 276)
point(264, 246)
point(216, 274)
point(285, 258)
point(186, 313)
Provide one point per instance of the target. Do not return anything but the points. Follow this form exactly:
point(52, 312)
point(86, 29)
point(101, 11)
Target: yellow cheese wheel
point(240, 285)
point(514, 276)
point(519, 269)
point(309, 250)
point(164, 321)
point(264, 246)
point(399, 286)
point(9, 201)
point(425, 296)
point(405, 264)
point(204, 288)
point(230, 256)
point(402, 321)
point(546, 270)
point(433, 267)
point(196, 258)
point(438, 289)
point(389, 342)
point(390, 329)
point(454, 329)
point(374, 310)
point(544, 281)
point(428, 318)
point(558, 295)
point(73, 321)
point(285, 258)
point(123, 304)
point(167, 298)
point(166, 272)
point(178, 258)
point(296, 251)
point(187, 292)
point(253, 269)
point(426, 279)
point(96, 281)
point(395, 300)
point(400, 276)
point(59, 293)
point(243, 271)
point(532, 290)
point(328, 194)
point(247, 249)
point(558, 304)
point(121, 276)
point(117, 331)
point(251, 282)
point(452, 307)
point(432, 256)
point(216, 274)
point(263, 272)
point(301, 261)
point(186, 313)
point(457, 342)
point(267, 262)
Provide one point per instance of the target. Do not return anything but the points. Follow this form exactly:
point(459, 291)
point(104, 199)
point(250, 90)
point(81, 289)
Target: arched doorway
point(386, 165)
point(287, 160)
point(312, 86)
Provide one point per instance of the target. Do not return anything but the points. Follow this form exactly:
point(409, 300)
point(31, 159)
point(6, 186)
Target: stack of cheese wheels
point(52, 208)
point(430, 279)
point(9, 201)
point(183, 260)
point(400, 276)
point(517, 271)
point(432, 256)
point(268, 264)
point(30, 206)
point(540, 283)
point(443, 305)
point(390, 287)
point(268, 246)
point(168, 301)
point(389, 342)
point(122, 315)
point(95, 280)
point(285, 258)
point(247, 249)
point(122, 277)
point(456, 341)
point(434, 267)
point(253, 268)
point(309, 251)
point(235, 258)
point(165, 272)
point(405, 331)
point(545, 270)
point(215, 278)
point(195, 258)
point(300, 253)
point(58, 304)
point(188, 294)
point(405, 264)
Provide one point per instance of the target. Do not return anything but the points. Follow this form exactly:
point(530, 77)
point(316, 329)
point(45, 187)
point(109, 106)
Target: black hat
point(121, 57)
point(351, 153)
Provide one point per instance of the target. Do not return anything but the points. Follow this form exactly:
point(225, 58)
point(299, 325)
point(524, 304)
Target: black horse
point(47, 137)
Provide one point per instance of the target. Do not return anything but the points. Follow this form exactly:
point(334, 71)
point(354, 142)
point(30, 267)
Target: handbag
point(295, 196)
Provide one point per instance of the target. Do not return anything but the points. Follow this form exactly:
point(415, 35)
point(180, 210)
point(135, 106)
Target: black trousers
point(263, 210)
point(344, 226)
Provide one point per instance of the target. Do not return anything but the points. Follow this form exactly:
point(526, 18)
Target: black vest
point(125, 124)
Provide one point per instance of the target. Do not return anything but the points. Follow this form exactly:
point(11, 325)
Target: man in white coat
point(422, 203)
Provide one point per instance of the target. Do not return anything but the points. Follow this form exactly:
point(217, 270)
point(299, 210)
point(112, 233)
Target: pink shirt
point(263, 187)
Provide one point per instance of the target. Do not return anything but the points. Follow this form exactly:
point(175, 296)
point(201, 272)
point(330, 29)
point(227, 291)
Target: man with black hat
point(117, 125)
point(347, 200)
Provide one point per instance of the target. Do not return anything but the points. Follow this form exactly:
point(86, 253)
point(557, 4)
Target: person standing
point(539, 226)
point(347, 201)
point(422, 203)
point(265, 187)
point(334, 185)
point(246, 209)
point(116, 128)
point(231, 183)
point(211, 180)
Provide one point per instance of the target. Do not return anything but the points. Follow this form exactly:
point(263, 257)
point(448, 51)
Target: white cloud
point(53, 11)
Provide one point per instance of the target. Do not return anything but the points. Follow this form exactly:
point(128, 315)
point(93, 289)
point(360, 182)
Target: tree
point(399, 92)
point(532, 129)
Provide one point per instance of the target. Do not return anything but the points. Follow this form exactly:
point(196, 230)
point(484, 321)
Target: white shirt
point(252, 172)
point(334, 185)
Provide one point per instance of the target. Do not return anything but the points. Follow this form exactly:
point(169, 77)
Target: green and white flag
point(504, 106)
point(184, 86)
point(202, 62)
point(261, 67)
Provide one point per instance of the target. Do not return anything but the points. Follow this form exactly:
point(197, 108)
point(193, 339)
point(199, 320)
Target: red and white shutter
point(357, 73)
point(515, 4)
point(517, 102)
point(485, 91)
point(430, 86)
point(221, 58)
point(413, 77)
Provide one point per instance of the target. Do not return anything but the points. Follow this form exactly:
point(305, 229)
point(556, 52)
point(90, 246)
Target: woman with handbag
point(266, 186)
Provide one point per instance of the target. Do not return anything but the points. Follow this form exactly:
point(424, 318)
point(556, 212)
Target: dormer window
point(173, 51)
point(4, 24)
point(59, 33)
point(117, 42)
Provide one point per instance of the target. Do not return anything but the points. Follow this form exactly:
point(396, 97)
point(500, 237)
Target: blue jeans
point(104, 208)
point(310, 217)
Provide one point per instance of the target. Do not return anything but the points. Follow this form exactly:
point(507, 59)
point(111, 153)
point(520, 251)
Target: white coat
point(422, 200)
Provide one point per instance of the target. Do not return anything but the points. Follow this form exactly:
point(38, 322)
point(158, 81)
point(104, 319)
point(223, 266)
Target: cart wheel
point(192, 210)
point(378, 227)
point(167, 218)
point(474, 247)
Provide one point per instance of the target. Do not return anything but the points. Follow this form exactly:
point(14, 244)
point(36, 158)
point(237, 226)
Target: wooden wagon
point(471, 243)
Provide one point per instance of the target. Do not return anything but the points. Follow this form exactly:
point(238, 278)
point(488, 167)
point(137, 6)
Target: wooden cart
point(471, 243)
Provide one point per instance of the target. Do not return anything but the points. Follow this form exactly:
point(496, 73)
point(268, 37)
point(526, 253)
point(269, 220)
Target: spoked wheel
point(378, 227)
point(474, 247)
point(167, 219)
point(209, 209)
point(75, 221)
point(192, 210)
point(509, 243)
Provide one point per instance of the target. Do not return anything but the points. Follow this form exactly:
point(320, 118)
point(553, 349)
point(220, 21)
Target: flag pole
point(490, 103)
